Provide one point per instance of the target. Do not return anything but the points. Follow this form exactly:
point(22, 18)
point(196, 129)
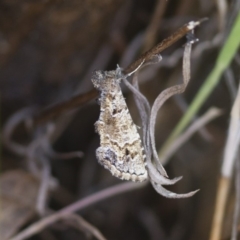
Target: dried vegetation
point(51, 184)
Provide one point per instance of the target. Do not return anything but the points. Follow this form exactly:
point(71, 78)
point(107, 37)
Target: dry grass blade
point(151, 32)
point(237, 202)
point(162, 98)
point(157, 173)
point(230, 155)
point(164, 192)
point(143, 108)
point(223, 61)
point(211, 114)
point(222, 12)
point(233, 139)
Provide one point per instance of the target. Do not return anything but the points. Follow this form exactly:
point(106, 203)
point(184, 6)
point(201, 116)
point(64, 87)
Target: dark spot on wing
point(133, 155)
point(115, 111)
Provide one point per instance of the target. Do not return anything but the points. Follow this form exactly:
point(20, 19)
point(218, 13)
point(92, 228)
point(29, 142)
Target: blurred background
point(48, 52)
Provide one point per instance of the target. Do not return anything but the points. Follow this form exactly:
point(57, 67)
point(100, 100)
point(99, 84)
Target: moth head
point(103, 80)
point(97, 79)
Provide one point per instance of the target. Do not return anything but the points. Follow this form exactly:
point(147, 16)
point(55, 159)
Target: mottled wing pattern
point(120, 148)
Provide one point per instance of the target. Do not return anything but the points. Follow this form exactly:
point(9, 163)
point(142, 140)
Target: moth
point(120, 150)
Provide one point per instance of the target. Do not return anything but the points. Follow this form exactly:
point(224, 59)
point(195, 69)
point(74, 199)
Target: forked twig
point(77, 206)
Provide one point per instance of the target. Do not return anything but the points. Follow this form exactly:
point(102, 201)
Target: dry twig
point(83, 203)
point(81, 99)
point(82, 225)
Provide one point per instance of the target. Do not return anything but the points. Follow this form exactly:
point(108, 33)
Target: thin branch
point(82, 99)
point(60, 155)
point(83, 225)
point(172, 60)
point(53, 111)
point(79, 100)
point(211, 114)
point(147, 56)
point(83, 203)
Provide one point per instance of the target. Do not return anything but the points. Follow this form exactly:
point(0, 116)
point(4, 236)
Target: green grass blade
point(223, 60)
